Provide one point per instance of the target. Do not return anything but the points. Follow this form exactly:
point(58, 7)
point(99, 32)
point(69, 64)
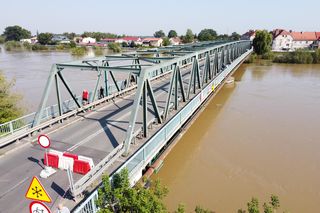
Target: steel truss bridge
point(154, 93)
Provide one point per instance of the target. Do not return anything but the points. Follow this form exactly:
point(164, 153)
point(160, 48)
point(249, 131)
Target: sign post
point(45, 143)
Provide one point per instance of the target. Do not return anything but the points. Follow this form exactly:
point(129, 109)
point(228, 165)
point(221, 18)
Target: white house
point(282, 40)
point(88, 40)
point(154, 42)
point(289, 41)
point(175, 41)
point(32, 40)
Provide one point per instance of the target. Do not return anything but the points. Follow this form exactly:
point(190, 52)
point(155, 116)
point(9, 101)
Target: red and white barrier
point(78, 164)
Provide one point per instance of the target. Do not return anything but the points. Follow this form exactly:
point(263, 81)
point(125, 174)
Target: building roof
point(109, 39)
point(151, 39)
point(131, 38)
point(318, 35)
point(250, 33)
point(277, 32)
point(303, 36)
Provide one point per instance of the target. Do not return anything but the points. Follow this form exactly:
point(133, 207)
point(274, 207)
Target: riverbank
point(296, 57)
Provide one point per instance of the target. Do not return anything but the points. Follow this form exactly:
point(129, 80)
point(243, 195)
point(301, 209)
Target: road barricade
point(70, 155)
point(83, 165)
point(78, 164)
point(52, 159)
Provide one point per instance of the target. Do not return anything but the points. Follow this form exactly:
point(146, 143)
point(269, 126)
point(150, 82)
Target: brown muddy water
point(259, 137)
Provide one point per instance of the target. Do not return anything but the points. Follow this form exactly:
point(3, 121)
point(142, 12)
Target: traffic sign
point(44, 141)
point(37, 192)
point(38, 207)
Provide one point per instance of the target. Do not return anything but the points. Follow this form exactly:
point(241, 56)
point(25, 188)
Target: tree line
point(204, 35)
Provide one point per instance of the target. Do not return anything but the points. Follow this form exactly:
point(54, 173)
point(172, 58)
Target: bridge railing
point(50, 112)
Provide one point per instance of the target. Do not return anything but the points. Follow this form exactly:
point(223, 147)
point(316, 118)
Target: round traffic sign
point(38, 207)
point(44, 141)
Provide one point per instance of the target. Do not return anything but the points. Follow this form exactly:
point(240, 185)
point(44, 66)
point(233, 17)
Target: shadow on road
point(32, 159)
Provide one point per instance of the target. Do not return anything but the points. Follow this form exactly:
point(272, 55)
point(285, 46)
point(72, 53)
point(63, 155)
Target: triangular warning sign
point(37, 192)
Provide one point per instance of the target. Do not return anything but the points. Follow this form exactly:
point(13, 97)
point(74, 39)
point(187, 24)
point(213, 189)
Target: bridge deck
point(93, 134)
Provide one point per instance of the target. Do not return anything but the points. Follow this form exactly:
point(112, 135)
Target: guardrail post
point(11, 127)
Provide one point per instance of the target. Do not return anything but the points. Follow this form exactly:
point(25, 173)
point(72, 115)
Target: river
point(255, 138)
point(30, 70)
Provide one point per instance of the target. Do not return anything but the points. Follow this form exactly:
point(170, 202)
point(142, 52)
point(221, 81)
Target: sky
point(144, 17)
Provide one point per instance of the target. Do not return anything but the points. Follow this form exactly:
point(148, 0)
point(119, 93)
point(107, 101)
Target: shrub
point(12, 45)
point(251, 59)
point(78, 51)
point(297, 57)
point(115, 47)
point(2, 40)
point(27, 46)
point(37, 47)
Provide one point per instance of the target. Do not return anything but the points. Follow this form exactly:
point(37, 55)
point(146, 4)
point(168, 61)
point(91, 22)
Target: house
point(131, 39)
point(112, 40)
point(302, 39)
point(152, 42)
point(31, 40)
point(250, 35)
point(88, 41)
point(282, 40)
point(175, 41)
point(60, 39)
point(289, 40)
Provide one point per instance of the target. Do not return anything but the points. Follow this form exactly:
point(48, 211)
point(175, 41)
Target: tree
point(275, 202)
point(118, 196)
point(253, 205)
point(223, 37)
point(207, 35)
point(159, 34)
point(70, 36)
point(45, 38)
point(188, 38)
point(267, 208)
point(166, 41)
point(16, 33)
point(235, 36)
point(172, 34)
point(199, 209)
point(262, 42)
point(9, 108)
point(181, 208)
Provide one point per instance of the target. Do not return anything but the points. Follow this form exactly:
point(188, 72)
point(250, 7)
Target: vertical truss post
point(58, 94)
point(216, 63)
point(145, 109)
point(44, 99)
point(153, 101)
point(194, 78)
point(172, 82)
point(134, 112)
point(93, 98)
point(207, 70)
point(106, 82)
point(179, 77)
